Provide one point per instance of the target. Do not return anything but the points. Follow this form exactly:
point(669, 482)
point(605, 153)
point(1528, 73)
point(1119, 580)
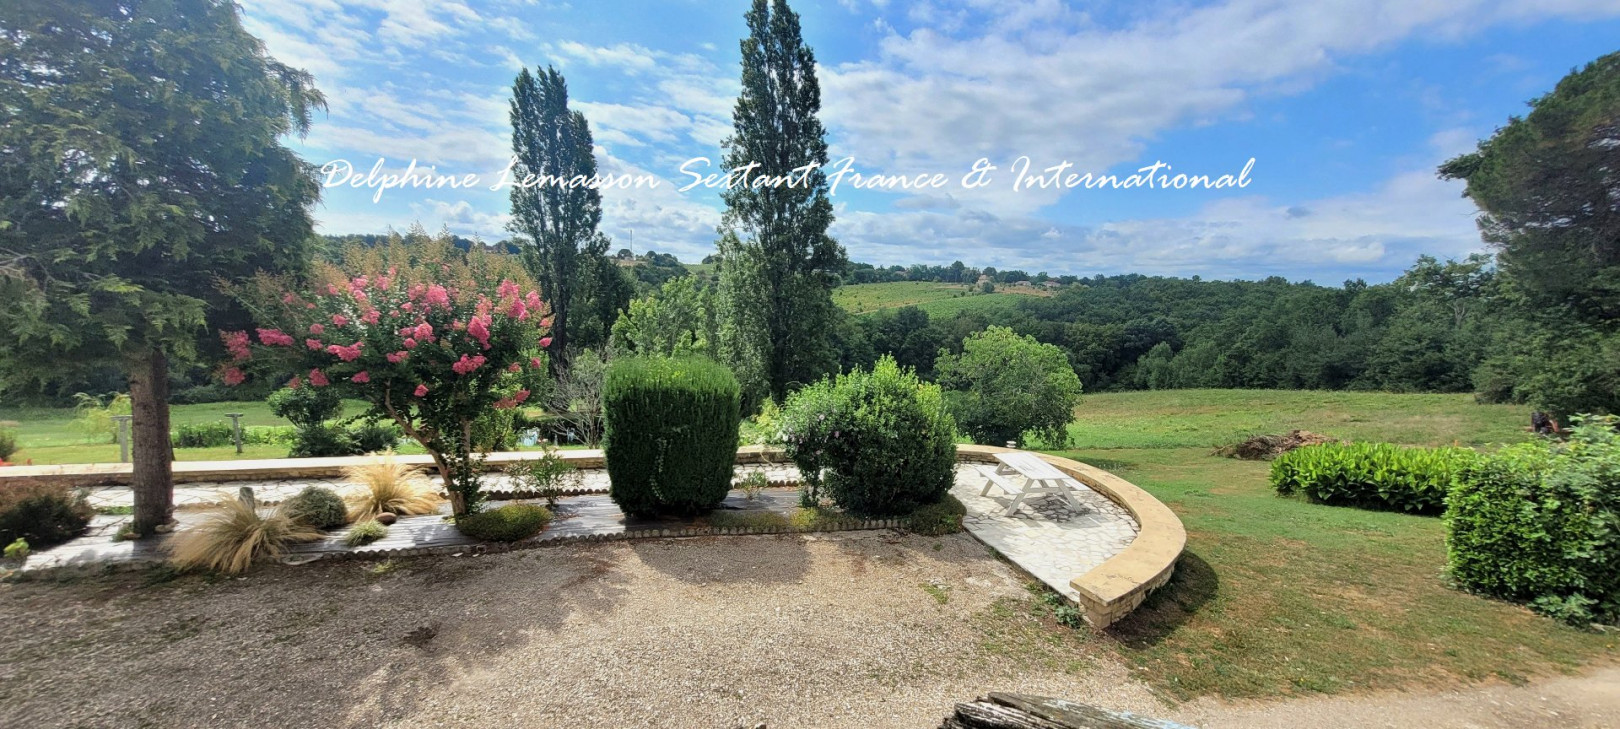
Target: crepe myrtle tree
point(432, 348)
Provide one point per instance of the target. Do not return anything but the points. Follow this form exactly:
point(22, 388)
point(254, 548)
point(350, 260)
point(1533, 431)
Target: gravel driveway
point(858, 629)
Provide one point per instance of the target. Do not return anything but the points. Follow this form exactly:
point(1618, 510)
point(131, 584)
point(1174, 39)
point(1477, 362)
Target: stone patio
point(1047, 537)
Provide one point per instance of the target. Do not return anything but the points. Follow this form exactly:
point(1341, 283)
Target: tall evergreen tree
point(142, 169)
point(783, 246)
point(556, 221)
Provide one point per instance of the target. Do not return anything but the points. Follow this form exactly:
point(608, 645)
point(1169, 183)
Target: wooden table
point(1039, 477)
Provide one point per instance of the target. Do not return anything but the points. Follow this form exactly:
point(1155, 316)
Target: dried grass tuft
point(387, 485)
point(235, 535)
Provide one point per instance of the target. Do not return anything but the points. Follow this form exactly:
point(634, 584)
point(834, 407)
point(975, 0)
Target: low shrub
point(365, 532)
point(374, 436)
point(1371, 475)
point(306, 406)
point(317, 507)
point(41, 512)
point(878, 443)
point(319, 441)
point(546, 477)
point(8, 444)
point(670, 433)
point(1540, 522)
point(18, 549)
point(938, 519)
point(390, 486)
point(269, 434)
point(234, 535)
point(203, 435)
point(508, 523)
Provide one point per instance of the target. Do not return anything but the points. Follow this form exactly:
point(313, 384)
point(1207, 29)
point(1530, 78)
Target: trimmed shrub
point(317, 507)
point(374, 436)
point(41, 512)
point(306, 406)
point(317, 441)
point(1540, 522)
point(878, 443)
point(670, 433)
point(508, 523)
point(8, 444)
point(203, 435)
point(1371, 475)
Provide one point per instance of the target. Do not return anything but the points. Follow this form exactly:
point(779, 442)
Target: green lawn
point(938, 299)
point(1279, 596)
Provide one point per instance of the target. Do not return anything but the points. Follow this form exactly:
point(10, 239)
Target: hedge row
point(1371, 475)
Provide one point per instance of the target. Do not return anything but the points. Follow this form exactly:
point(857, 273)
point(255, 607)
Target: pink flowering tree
point(431, 338)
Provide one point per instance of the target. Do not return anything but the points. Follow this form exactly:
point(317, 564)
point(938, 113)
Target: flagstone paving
point(1047, 536)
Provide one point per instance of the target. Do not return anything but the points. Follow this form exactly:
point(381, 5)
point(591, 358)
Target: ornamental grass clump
point(234, 535)
point(388, 485)
point(670, 433)
point(365, 532)
point(878, 443)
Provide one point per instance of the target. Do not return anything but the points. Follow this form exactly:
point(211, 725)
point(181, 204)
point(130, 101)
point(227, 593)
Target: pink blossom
point(382, 283)
point(535, 362)
point(317, 328)
point(407, 306)
point(309, 305)
point(483, 306)
point(424, 332)
point(478, 329)
point(545, 342)
point(421, 390)
point(339, 320)
point(361, 377)
point(521, 395)
point(318, 378)
point(517, 310)
point(410, 343)
point(532, 300)
point(237, 344)
point(466, 364)
point(296, 382)
point(514, 368)
point(397, 357)
point(505, 403)
point(507, 290)
point(372, 316)
point(233, 376)
point(438, 296)
point(275, 338)
point(347, 354)
point(458, 326)
point(288, 298)
point(314, 344)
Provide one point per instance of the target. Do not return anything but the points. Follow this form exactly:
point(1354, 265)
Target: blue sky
point(1345, 106)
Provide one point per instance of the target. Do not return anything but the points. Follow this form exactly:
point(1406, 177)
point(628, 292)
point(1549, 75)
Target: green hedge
point(878, 443)
point(670, 433)
point(1540, 522)
point(1371, 475)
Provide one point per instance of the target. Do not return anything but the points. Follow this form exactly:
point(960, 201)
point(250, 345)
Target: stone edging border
point(1114, 588)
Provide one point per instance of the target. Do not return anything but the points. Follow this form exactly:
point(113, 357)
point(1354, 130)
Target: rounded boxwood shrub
point(877, 443)
point(41, 512)
point(317, 507)
point(1540, 522)
point(508, 523)
point(670, 433)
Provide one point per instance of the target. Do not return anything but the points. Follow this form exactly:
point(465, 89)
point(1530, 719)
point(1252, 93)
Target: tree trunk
point(152, 451)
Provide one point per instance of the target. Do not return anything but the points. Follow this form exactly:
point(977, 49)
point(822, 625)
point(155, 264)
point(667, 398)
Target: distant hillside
point(938, 299)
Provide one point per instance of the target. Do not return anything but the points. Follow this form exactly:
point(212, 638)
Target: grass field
point(47, 435)
point(1279, 596)
point(938, 299)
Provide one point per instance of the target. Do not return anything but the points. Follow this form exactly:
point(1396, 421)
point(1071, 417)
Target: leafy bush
point(879, 443)
point(317, 507)
point(365, 532)
point(374, 436)
point(305, 407)
point(508, 523)
point(1540, 522)
point(1371, 475)
point(670, 434)
point(42, 512)
point(203, 435)
point(8, 444)
point(546, 477)
point(321, 440)
point(1004, 385)
point(93, 417)
point(18, 549)
point(388, 485)
point(234, 535)
point(269, 434)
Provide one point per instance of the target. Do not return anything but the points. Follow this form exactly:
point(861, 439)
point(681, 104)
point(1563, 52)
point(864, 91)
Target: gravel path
point(831, 630)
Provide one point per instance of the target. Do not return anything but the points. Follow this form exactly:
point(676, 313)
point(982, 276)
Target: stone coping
point(1116, 587)
point(1107, 593)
